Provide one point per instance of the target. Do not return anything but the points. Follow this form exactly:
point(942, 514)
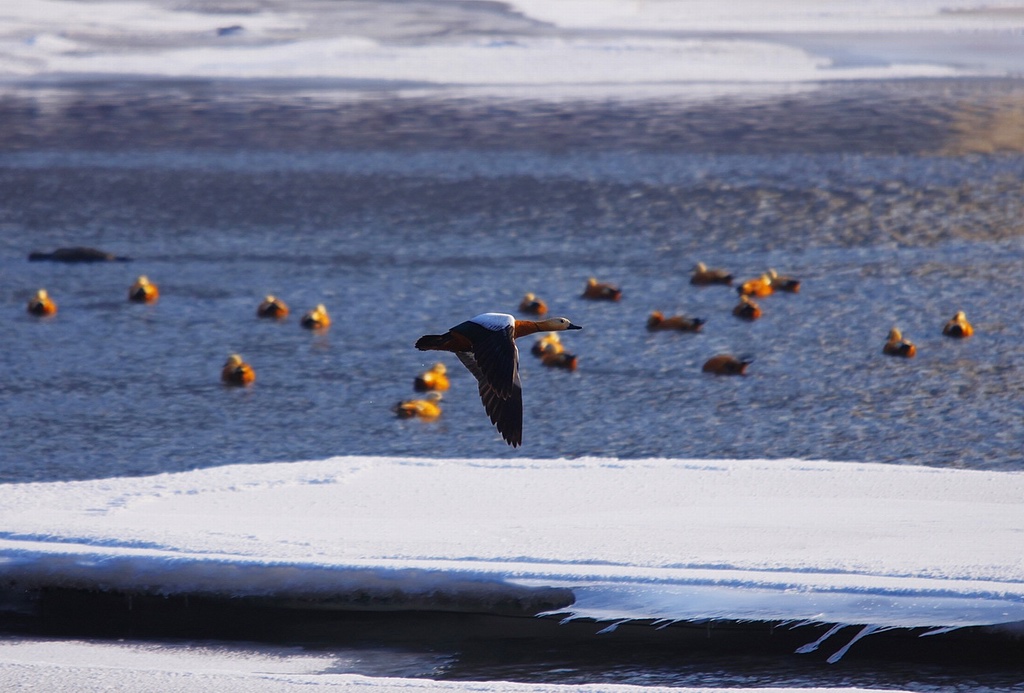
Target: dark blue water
point(413, 238)
point(406, 216)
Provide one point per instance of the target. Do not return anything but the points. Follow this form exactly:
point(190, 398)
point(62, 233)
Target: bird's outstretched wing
point(494, 362)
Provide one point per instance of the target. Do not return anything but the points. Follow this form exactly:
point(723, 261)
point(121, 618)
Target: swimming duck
point(316, 319)
point(486, 345)
point(747, 309)
point(532, 305)
point(549, 343)
point(958, 326)
point(897, 346)
point(727, 364)
point(143, 291)
point(783, 283)
point(425, 408)
point(657, 321)
point(42, 304)
point(433, 379)
point(702, 276)
point(601, 291)
point(560, 359)
point(760, 287)
point(272, 307)
point(237, 372)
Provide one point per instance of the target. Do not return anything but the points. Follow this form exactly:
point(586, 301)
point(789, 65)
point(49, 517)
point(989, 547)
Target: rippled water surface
point(410, 215)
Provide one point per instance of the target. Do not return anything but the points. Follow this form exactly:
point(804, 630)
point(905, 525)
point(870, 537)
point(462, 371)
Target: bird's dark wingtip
point(430, 342)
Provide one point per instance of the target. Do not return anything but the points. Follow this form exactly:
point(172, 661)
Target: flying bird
point(486, 346)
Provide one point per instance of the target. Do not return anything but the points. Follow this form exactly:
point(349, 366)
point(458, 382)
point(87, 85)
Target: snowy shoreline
point(609, 47)
point(764, 554)
point(880, 545)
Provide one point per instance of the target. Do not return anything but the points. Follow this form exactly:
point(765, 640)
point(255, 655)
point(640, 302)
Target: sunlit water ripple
point(399, 241)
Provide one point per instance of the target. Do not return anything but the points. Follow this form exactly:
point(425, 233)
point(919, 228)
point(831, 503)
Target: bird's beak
point(573, 327)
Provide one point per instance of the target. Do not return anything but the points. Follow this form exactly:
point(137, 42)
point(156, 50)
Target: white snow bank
point(607, 46)
point(820, 16)
point(668, 539)
point(537, 62)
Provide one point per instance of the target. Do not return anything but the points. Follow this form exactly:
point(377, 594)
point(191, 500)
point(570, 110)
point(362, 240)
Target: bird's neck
point(525, 327)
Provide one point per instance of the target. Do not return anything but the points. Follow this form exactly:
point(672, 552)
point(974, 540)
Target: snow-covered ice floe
point(657, 540)
point(541, 48)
